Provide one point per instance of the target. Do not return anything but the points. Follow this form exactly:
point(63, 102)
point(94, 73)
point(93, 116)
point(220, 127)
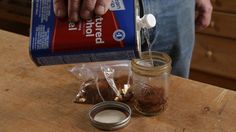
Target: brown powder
point(150, 100)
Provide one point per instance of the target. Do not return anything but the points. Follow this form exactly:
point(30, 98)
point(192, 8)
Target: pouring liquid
point(147, 37)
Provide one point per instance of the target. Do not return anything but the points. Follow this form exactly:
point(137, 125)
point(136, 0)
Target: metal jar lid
point(102, 115)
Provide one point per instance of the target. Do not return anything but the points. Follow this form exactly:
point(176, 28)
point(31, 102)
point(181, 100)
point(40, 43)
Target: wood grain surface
point(39, 99)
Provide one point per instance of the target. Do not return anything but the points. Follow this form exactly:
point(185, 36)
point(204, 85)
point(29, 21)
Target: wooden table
point(39, 99)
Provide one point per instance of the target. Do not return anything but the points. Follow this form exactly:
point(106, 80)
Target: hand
point(77, 9)
point(204, 11)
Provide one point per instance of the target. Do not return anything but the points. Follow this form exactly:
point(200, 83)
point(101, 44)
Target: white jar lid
point(100, 115)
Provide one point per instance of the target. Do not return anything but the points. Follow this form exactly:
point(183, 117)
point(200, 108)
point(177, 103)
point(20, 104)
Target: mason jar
point(151, 82)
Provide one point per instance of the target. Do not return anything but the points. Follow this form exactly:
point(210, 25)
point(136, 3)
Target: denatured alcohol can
point(113, 36)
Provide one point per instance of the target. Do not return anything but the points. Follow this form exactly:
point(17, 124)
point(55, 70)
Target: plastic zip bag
point(103, 81)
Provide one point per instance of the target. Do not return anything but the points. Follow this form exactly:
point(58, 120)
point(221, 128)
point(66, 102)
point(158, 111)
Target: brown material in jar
point(150, 100)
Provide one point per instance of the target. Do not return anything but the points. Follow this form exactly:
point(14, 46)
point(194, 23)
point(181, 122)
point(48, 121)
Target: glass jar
point(151, 82)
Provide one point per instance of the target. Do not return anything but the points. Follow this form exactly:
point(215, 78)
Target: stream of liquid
point(147, 37)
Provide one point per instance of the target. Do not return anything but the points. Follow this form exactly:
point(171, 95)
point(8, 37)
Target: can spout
point(147, 21)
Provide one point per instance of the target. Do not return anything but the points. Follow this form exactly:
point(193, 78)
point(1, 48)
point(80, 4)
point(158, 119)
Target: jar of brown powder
point(151, 82)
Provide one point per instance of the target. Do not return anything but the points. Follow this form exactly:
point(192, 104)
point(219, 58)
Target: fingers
point(73, 10)
point(59, 8)
point(102, 7)
point(91, 7)
point(203, 19)
point(87, 9)
point(81, 8)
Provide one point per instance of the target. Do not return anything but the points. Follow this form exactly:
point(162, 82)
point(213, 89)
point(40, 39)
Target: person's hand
point(204, 11)
point(76, 9)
